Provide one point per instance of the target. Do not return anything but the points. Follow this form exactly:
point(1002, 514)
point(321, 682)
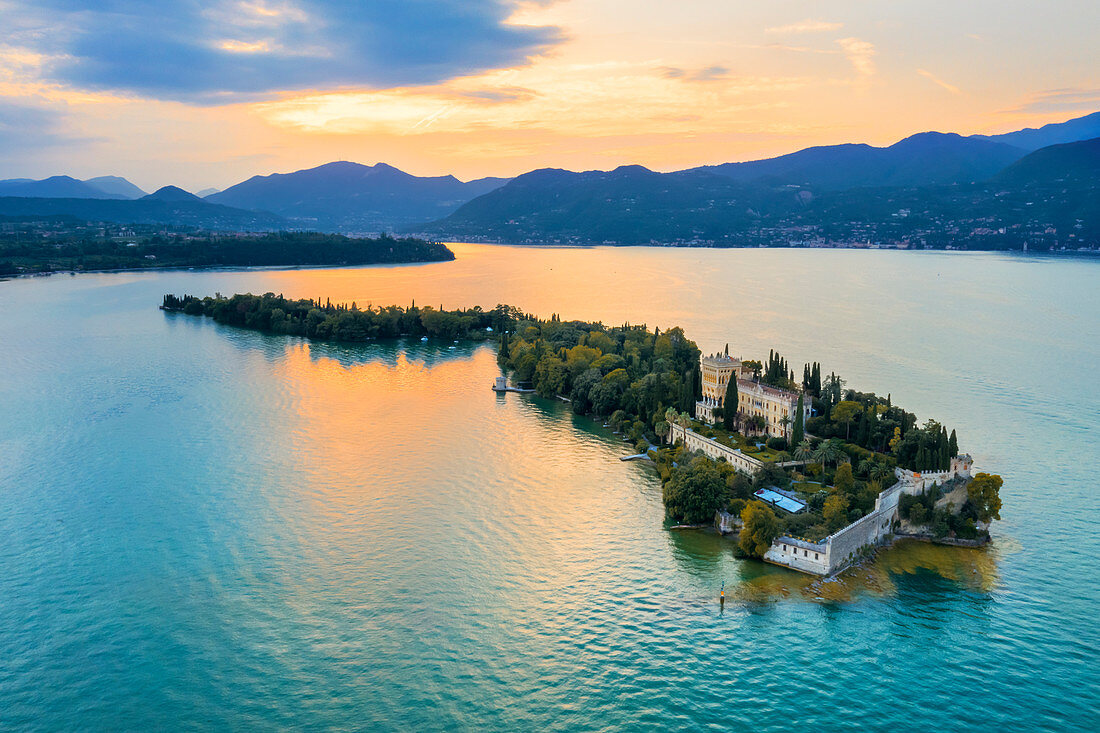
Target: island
point(808, 473)
point(58, 246)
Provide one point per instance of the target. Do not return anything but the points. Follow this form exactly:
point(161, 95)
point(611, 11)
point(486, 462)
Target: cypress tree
point(952, 445)
point(863, 432)
point(799, 430)
point(729, 403)
point(687, 392)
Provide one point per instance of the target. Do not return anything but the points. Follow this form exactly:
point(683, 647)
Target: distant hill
point(347, 196)
point(207, 192)
point(116, 186)
point(54, 187)
point(1082, 128)
point(196, 213)
point(1050, 197)
point(1072, 164)
point(171, 193)
point(629, 205)
point(929, 158)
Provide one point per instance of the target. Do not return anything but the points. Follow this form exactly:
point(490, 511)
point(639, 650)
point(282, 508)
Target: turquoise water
point(210, 528)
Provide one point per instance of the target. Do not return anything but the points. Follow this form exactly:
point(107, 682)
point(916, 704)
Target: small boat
point(424, 339)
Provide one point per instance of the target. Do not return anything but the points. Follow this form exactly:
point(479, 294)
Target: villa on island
point(776, 406)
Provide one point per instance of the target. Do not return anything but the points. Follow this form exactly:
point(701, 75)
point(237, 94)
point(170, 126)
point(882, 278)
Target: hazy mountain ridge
point(629, 204)
point(928, 158)
point(351, 196)
point(168, 211)
point(1047, 196)
point(1057, 133)
point(116, 185)
point(101, 187)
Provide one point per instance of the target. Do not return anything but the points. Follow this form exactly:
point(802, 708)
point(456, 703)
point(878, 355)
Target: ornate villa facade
point(776, 406)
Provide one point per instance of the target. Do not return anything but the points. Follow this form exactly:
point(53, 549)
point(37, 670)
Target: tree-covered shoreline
point(30, 255)
point(638, 382)
point(327, 321)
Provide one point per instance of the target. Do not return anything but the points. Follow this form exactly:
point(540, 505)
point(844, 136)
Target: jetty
point(501, 385)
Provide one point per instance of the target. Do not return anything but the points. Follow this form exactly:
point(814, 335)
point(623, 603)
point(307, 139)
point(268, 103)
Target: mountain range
point(350, 196)
point(929, 158)
point(165, 206)
point(1050, 197)
point(103, 187)
point(628, 204)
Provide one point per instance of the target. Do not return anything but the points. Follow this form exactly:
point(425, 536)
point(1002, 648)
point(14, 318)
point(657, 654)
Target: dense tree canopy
point(984, 492)
point(326, 321)
point(299, 249)
point(760, 526)
point(695, 491)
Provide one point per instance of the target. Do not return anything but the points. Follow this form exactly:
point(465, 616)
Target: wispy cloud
point(860, 53)
point(936, 80)
point(571, 99)
point(709, 73)
point(1059, 100)
point(806, 26)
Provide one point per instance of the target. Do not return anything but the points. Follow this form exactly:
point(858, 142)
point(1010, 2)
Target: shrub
point(777, 443)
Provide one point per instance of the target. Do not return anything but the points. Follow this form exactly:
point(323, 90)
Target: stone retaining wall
point(715, 450)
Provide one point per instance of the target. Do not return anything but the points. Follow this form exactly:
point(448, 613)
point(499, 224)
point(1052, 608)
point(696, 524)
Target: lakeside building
point(843, 547)
point(776, 406)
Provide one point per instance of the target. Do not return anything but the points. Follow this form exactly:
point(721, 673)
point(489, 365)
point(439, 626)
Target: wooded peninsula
point(641, 382)
point(85, 253)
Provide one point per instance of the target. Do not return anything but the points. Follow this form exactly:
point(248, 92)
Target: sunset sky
point(208, 93)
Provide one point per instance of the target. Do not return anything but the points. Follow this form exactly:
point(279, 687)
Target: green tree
point(953, 444)
point(759, 527)
point(803, 451)
point(846, 411)
point(661, 428)
point(836, 512)
point(729, 403)
point(984, 493)
point(880, 471)
point(799, 431)
point(844, 481)
point(827, 451)
point(695, 491)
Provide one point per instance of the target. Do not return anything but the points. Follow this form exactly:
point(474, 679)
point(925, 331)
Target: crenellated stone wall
point(840, 549)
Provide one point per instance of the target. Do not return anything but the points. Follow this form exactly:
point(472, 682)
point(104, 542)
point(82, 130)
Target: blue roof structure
point(786, 503)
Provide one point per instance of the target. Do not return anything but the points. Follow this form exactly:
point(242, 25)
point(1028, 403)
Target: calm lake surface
point(202, 527)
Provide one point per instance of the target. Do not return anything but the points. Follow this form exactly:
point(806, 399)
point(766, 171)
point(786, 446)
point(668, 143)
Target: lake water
point(202, 527)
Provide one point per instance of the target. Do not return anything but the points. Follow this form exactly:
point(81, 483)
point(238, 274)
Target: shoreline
point(878, 248)
point(216, 268)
